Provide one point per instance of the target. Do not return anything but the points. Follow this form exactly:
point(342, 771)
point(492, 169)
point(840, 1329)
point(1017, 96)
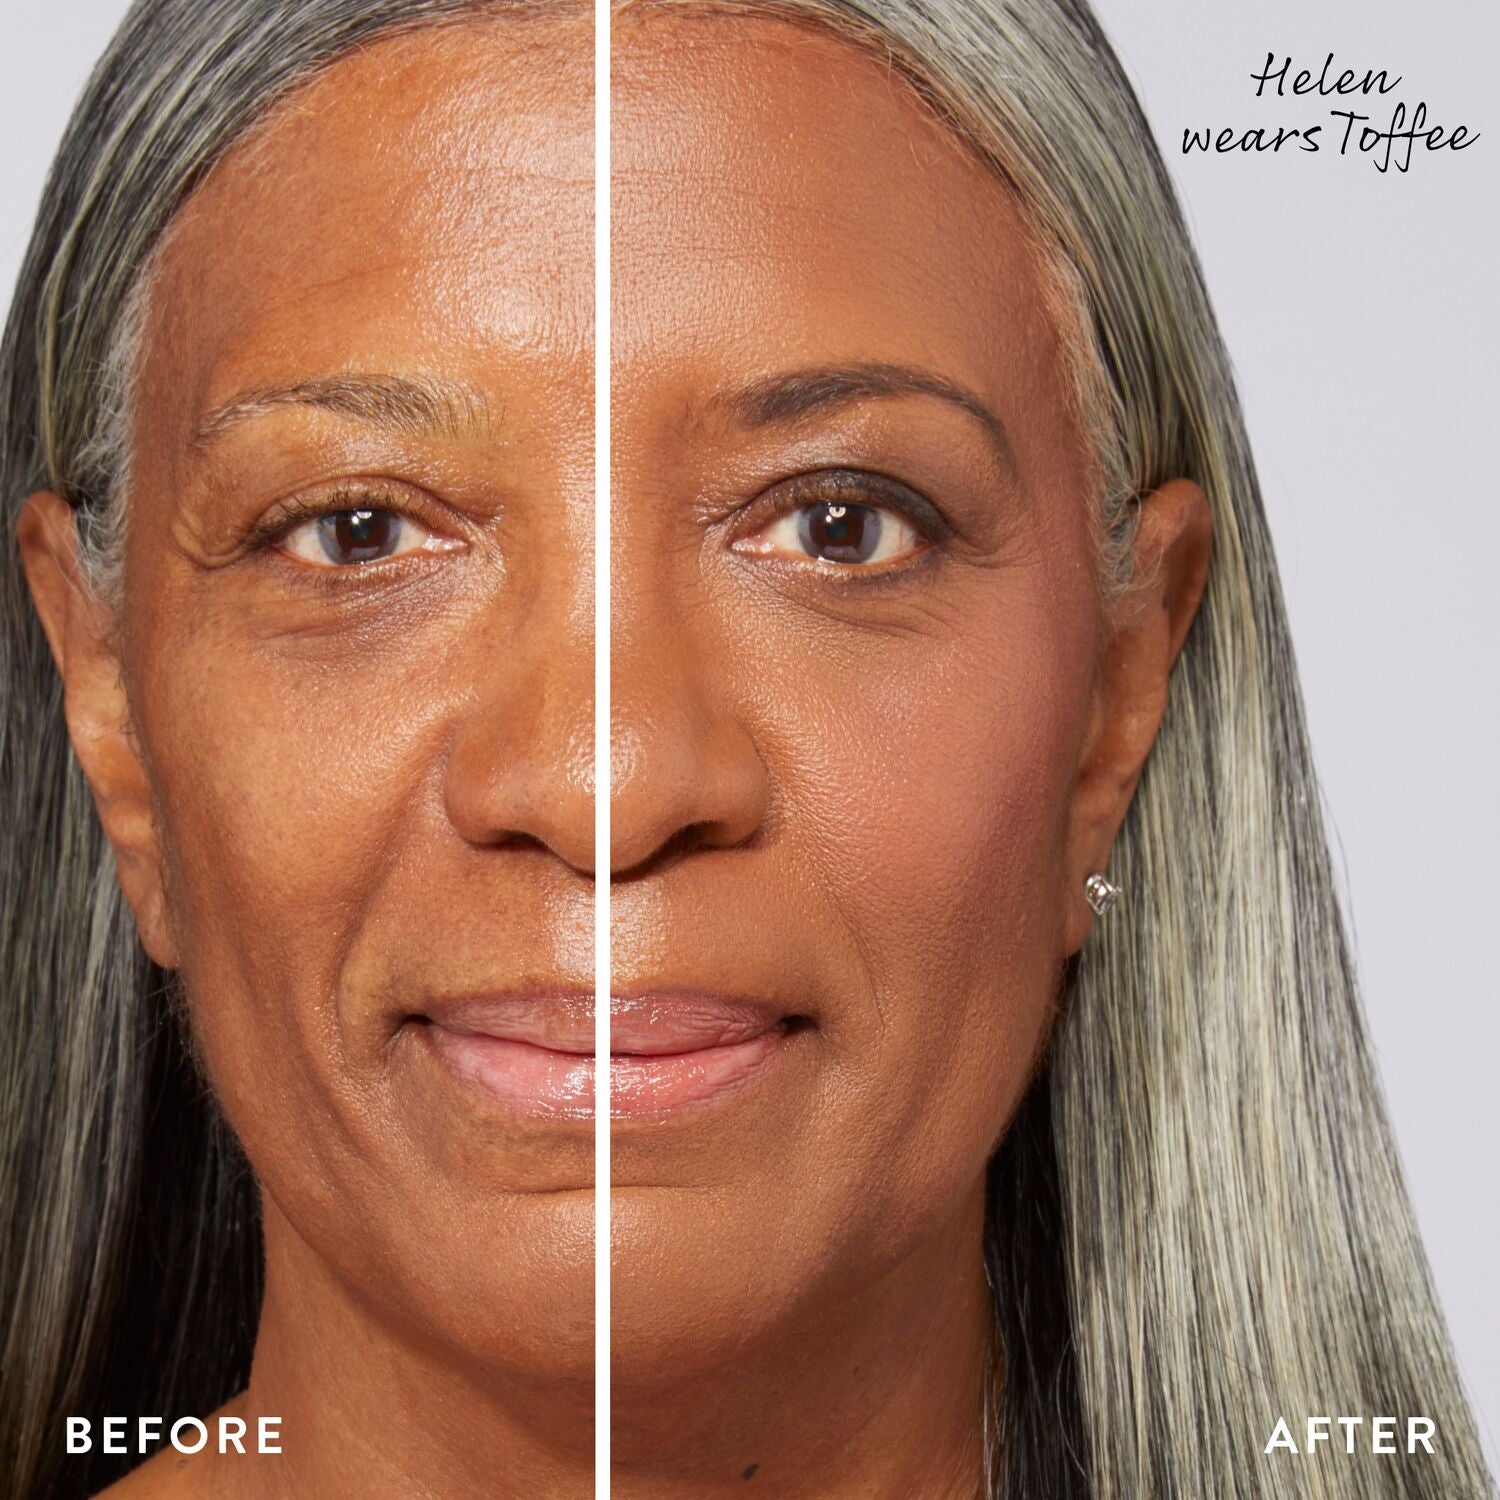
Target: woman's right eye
point(349, 538)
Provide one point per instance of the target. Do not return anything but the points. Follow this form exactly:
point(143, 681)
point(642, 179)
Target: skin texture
point(868, 799)
point(343, 796)
point(865, 801)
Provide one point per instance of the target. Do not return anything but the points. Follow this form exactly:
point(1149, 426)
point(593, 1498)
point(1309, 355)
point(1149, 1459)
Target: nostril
point(528, 843)
point(695, 838)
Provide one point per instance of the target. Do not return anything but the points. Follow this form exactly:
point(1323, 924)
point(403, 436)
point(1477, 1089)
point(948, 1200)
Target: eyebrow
point(417, 408)
point(798, 393)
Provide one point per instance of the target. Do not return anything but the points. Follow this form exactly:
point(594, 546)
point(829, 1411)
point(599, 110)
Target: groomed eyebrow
point(798, 393)
point(416, 408)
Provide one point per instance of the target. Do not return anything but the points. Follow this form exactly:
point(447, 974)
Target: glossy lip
point(533, 1053)
point(679, 1049)
point(670, 1049)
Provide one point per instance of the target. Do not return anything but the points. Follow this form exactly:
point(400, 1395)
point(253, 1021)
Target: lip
point(669, 1050)
point(679, 1049)
point(531, 1053)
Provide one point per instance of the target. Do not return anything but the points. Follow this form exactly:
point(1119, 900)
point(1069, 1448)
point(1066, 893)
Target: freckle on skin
point(750, 1472)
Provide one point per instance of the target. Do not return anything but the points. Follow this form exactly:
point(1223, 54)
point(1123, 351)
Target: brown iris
point(839, 532)
point(358, 536)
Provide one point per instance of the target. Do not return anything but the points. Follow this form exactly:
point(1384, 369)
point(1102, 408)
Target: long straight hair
point(130, 1261)
point(1197, 1221)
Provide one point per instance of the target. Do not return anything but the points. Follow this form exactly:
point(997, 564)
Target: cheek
point(964, 755)
point(927, 785)
point(290, 781)
point(935, 783)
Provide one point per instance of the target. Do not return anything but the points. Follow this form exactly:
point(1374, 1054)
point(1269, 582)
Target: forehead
point(792, 191)
point(424, 201)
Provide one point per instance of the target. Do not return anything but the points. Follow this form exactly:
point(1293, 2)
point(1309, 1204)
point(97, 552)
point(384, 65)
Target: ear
point(83, 636)
point(1172, 545)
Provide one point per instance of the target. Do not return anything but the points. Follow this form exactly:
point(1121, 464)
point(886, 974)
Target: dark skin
point(868, 790)
point(335, 789)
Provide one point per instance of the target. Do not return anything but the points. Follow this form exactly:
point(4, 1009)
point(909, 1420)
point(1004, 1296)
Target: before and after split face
point(859, 755)
point(618, 688)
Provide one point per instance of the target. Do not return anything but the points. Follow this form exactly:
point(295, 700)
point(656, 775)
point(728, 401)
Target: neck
point(877, 1395)
point(368, 1409)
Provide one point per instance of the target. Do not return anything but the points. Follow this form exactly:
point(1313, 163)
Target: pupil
point(841, 533)
point(357, 536)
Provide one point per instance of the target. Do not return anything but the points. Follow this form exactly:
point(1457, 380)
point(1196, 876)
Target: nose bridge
point(521, 762)
point(684, 769)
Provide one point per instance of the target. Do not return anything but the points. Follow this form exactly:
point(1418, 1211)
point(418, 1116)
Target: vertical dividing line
point(601, 749)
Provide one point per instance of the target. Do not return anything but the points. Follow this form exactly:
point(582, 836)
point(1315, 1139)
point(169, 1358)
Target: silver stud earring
point(1100, 893)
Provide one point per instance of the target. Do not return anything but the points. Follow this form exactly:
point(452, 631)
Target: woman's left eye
point(841, 532)
point(347, 538)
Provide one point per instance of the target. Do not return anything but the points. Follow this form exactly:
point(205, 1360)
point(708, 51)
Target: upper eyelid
point(285, 516)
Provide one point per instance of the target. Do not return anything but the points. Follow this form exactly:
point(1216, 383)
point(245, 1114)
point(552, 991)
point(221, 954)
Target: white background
point(1361, 313)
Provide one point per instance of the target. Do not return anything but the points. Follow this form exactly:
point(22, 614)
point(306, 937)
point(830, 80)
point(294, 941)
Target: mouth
point(681, 1049)
point(669, 1050)
point(533, 1054)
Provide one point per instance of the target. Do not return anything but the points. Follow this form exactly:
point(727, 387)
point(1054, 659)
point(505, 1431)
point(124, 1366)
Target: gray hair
point(1197, 1221)
point(129, 1227)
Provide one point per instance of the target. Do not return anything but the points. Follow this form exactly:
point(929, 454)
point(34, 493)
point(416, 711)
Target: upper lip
point(643, 1023)
point(660, 1023)
point(561, 1021)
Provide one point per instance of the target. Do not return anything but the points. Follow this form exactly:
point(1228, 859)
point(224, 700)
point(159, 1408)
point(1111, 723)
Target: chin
point(502, 1285)
point(691, 1295)
point(520, 1297)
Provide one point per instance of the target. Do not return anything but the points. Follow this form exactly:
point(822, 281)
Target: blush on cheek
point(938, 818)
point(976, 749)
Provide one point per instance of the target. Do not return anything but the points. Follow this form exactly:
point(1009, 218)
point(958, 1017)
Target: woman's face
point(870, 725)
point(372, 783)
point(856, 644)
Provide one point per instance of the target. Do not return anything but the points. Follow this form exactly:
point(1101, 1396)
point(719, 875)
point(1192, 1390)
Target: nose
point(685, 773)
point(520, 767)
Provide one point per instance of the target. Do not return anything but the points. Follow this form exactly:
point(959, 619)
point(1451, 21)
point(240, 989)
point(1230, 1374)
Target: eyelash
point(829, 486)
point(264, 537)
point(270, 529)
point(857, 487)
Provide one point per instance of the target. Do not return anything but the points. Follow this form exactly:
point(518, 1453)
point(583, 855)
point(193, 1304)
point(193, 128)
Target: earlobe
point(1172, 549)
point(81, 633)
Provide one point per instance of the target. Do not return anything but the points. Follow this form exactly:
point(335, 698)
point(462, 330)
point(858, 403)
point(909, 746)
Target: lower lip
point(538, 1081)
point(642, 1085)
point(525, 1078)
